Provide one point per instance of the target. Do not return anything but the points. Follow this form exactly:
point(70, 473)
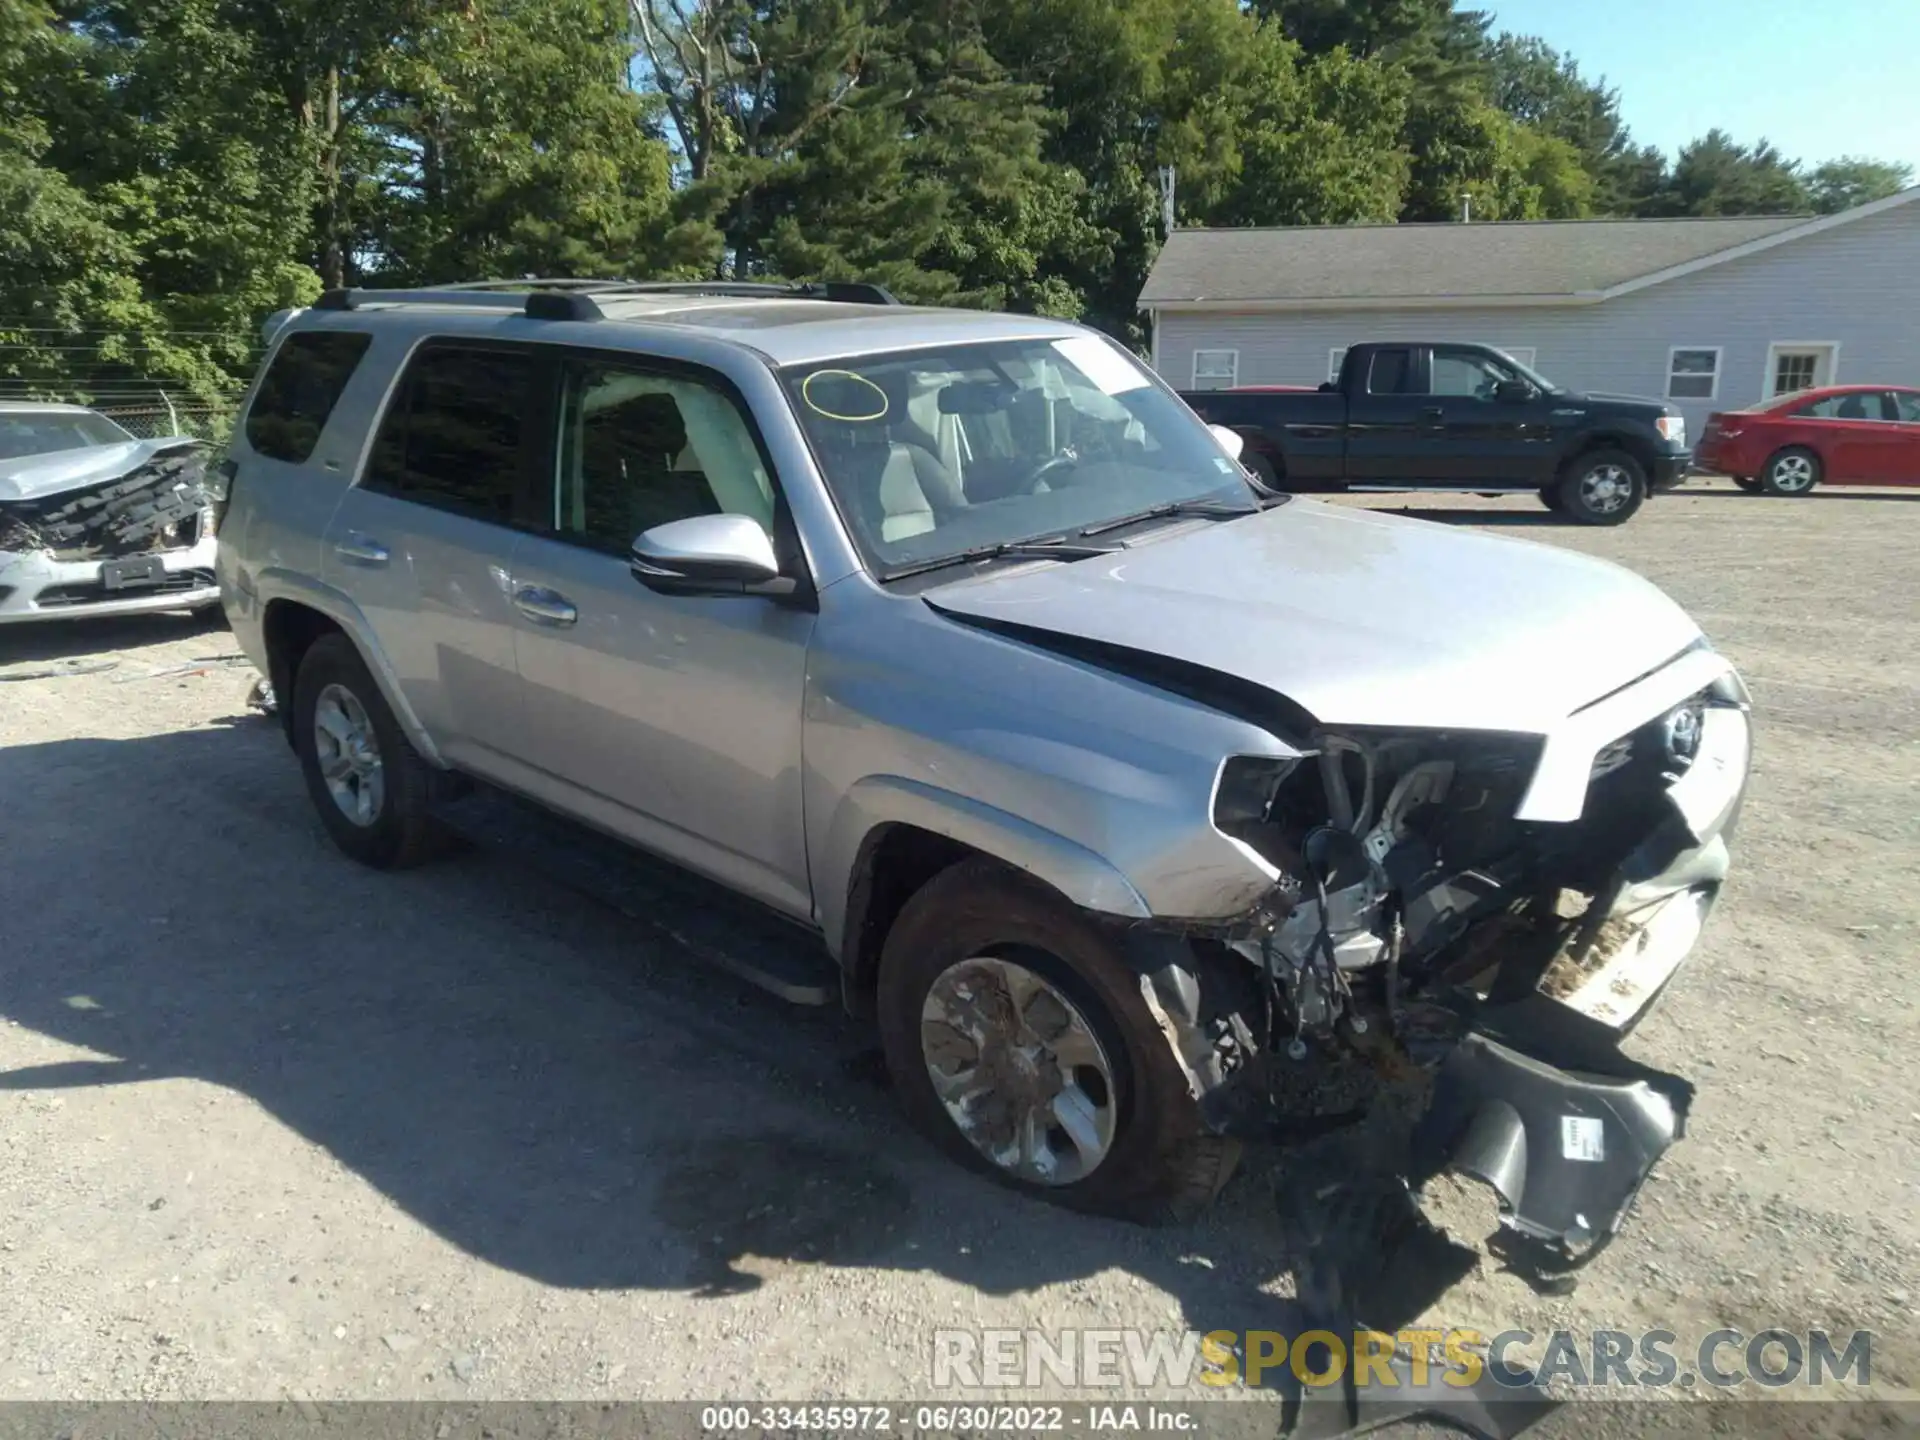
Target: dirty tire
point(402, 834)
point(1163, 1167)
point(1794, 470)
point(1747, 483)
point(1577, 481)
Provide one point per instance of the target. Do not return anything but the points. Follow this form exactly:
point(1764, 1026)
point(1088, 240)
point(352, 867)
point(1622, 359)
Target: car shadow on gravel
point(509, 1064)
point(63, 639)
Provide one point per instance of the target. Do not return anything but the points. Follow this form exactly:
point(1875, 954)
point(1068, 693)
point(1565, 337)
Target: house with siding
point(1710, 313)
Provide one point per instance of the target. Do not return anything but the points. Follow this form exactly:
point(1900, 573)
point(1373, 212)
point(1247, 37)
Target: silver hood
point(1359, 618)
point(33, 477)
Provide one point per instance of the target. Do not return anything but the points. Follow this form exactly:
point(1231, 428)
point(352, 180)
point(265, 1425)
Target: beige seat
point(905, 510)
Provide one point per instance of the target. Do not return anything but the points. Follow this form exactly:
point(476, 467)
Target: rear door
point(1906, 451)
point(424, 543)
point(672, 720)
point(1854, 434)
point(1386, 401)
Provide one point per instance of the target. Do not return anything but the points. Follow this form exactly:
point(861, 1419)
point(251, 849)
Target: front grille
point(178, 582)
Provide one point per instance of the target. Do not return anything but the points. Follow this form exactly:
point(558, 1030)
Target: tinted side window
point(452, 435)
point(1906, 406)
point(299, 391)
point(1391, 373)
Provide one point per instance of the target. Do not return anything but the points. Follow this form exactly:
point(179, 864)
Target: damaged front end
point(107, 529)
point(1427, 953)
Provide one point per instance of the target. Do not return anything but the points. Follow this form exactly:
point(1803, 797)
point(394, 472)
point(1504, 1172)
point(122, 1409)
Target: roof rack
point(573, 299)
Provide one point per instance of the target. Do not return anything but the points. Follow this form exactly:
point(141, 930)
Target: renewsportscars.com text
point(1603, 1359)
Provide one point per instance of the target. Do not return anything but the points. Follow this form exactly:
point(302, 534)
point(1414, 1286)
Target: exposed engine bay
point(157, 504)
point(1423, 951)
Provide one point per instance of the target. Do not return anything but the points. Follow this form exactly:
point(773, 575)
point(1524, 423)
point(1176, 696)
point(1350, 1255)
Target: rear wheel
point(1792, 471)
point(1021, 1044)
point(1550, 497)
point(368, 784)
point(1603, 487)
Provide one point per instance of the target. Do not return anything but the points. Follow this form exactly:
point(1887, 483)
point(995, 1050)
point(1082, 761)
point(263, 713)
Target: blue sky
point(1841, 77)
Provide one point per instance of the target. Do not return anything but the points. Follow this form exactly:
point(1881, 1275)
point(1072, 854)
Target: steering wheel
point(1052, 465)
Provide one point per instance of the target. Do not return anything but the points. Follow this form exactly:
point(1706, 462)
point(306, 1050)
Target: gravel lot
point(274, 1126)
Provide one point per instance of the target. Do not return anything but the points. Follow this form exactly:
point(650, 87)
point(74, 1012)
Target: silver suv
point(1131, 799)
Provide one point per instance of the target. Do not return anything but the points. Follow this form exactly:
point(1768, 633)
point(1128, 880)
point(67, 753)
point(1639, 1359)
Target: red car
point(1840, 434)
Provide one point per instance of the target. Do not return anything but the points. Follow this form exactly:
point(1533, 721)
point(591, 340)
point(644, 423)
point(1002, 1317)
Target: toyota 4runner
point(1141, 806)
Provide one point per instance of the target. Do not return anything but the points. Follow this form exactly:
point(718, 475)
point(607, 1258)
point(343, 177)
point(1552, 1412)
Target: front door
point(672, 720)
point(423, 543)
point(1480, 437)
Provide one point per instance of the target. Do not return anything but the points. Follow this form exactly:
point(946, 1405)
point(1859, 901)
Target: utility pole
point(1466, 208)
point(1167, 178)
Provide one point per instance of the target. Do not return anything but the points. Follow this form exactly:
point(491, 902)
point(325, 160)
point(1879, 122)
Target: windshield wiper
point(1061, 549)
point(1197, 506)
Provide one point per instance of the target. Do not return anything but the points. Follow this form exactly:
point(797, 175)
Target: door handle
point(361, 549)
point(545, 607)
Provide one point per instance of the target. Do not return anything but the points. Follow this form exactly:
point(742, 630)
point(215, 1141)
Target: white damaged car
point(96, 522)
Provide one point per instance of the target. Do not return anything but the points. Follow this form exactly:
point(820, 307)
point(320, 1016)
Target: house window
point(1693, 372)
point(1216, 369)
point(1335, 358)
point(1801, 365)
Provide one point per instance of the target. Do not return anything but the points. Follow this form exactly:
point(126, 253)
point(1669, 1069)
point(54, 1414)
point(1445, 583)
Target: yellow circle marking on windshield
point(806, 393)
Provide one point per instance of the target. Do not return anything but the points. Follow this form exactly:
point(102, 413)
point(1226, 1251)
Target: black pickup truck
point(1415, 416)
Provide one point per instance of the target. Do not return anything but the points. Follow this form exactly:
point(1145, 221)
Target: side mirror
point(1229, 440)
point(1514, 391)
point(709, 555)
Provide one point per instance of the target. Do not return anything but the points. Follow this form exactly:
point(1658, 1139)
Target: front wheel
point(1603, 487)
point(1792, 471)
point(1021, 1044)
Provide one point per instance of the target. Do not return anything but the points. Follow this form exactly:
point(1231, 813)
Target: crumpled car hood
point(1360, 618)
point(32, 477)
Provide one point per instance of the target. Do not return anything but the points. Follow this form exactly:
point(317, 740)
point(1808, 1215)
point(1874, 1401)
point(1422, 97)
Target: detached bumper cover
point(1565, 1142)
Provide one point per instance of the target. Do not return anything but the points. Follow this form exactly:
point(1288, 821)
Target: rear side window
point(452, 436)
point(1855, 405)
point(1391, 373)
point(299, 391)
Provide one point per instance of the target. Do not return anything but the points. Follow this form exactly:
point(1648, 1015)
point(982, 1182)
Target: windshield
point(933, 452)
point(41, 432)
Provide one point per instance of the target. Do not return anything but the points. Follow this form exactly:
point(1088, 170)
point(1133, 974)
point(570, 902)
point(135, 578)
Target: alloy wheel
point(1605, 489)
point(1019, 1069)
point(348, 751)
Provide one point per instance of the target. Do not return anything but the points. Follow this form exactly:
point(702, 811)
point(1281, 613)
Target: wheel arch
point(1609, 438)
point(891, 835)
point(294, 615)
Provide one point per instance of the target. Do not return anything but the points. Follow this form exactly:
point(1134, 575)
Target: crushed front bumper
point(1536, 1099)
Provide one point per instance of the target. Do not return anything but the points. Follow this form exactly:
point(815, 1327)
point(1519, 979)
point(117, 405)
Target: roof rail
point(572, 299)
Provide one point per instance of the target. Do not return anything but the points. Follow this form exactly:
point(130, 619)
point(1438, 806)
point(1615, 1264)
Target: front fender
point(1069, 867)
point(247, 605)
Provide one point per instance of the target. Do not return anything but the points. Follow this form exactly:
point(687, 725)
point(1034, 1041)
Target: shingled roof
point(1501, 260)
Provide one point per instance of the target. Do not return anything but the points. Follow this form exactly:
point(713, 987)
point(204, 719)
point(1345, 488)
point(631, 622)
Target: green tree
point(1716, 176)
point(1854, 180)
point(512, 145)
